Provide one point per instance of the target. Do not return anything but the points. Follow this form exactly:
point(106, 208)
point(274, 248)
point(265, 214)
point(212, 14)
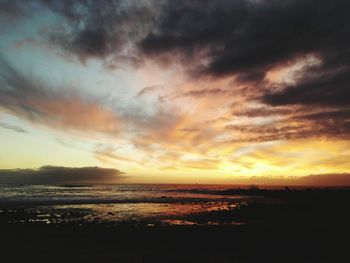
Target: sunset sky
point(176, 91)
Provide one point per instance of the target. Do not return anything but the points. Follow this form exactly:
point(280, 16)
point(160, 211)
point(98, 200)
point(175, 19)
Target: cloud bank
point(60, 175)
point(55, 175)
point(315, 180)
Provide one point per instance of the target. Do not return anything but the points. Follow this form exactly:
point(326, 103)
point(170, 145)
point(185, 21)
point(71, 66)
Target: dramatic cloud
point(248, 37)
point(60, 175)
point(185, 84)
point(102, 29)
point(32, 100)
point(11, 8)
point(243, 37)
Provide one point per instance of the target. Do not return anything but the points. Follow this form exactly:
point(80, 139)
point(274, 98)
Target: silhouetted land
point(308, 225)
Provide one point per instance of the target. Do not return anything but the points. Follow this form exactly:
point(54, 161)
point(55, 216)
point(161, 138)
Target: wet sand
point(306, 226)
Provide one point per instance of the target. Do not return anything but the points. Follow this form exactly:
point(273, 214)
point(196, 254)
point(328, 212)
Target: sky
point(165, 91)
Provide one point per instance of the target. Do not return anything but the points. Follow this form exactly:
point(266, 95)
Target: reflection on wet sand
point(136, 205)
point(139, 213)
point(149, 205)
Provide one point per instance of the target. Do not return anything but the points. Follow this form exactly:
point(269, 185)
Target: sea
point(124, 204)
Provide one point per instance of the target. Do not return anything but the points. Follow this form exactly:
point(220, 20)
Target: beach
point(304, 225)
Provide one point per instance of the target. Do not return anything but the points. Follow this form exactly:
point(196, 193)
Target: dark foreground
point(307, 226)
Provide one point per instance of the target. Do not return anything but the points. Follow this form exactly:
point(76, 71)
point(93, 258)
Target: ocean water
point(115, 204)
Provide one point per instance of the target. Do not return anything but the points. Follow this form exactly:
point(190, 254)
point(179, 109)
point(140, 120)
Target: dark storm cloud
point(249, 37)
point(91, 42)
point(72, 10)
point(318, 87)
point(60, 175)
point(14, 8)
point(8, 8)
point(245, 37)
point(102, 28)
point(223, 37)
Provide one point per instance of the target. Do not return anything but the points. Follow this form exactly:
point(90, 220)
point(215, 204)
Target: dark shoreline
point(181, 244)
point(303, 226)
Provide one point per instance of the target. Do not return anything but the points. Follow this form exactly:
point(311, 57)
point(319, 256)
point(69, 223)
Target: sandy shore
point(314, 228)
